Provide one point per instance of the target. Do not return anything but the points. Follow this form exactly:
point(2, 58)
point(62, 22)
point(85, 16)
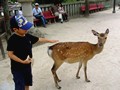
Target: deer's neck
point(98, 48)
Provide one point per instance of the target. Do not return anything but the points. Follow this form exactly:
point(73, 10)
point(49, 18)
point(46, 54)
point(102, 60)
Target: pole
point(114, 6)
point(6, 17)
point(86, 8)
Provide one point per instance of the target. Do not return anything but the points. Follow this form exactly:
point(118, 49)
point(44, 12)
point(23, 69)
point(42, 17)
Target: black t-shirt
point(21, 47)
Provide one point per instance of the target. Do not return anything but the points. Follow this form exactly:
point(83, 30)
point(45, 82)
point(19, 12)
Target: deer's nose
point(100, 44)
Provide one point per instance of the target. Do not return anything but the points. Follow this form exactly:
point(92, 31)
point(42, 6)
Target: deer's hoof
point(58, 87)
point(59, 80)
point(77, 77)
point(87, 80)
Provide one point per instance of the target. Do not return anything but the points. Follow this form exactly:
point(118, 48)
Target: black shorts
point(22, 78)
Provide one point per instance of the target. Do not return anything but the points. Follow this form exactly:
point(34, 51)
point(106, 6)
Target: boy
point(19, 49)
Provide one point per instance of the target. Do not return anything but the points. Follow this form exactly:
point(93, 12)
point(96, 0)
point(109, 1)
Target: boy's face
point(20, 31)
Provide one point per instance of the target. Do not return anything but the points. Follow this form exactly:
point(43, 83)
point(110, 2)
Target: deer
point(72, 52)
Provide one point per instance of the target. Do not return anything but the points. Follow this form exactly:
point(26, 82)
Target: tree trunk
point(6, 17)
point(87, 8)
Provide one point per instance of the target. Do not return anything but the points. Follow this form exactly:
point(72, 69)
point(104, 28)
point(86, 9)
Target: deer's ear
point(107, 31)
point(95, 33)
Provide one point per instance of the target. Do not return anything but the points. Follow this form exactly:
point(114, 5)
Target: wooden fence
point(73, 9)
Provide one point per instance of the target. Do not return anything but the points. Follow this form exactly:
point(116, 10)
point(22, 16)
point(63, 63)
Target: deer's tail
point(49, 51)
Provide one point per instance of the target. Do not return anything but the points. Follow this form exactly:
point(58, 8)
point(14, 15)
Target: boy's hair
point(13, 23)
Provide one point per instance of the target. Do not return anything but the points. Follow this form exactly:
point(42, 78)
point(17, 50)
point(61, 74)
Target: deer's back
point(72, 51)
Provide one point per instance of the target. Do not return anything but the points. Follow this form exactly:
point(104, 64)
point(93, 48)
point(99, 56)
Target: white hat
point(36, 4)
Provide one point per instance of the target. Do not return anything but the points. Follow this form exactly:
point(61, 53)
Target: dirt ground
point(103, 69)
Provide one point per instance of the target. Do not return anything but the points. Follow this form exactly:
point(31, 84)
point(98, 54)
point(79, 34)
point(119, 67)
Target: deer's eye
point(105, 37)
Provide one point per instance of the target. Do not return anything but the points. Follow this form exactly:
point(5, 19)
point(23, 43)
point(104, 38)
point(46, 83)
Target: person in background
point(37, 13)
point(20, 11)
point(19, 47)
point(56, 12)
point(62, 11)
point(119, 5)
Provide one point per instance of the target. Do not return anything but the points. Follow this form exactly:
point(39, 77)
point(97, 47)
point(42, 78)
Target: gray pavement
point(103, 69)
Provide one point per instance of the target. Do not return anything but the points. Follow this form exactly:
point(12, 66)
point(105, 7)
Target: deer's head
point(101, 37)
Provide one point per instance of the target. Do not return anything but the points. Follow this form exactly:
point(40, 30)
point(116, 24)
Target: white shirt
point(36, 11)
point(20, 12)
point(61, 10)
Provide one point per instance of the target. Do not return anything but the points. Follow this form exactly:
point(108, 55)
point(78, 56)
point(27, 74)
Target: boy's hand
point(45, 40)
point(27, 61)
point(53, 41)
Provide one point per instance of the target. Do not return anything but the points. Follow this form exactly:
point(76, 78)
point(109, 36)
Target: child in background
point(62, 11)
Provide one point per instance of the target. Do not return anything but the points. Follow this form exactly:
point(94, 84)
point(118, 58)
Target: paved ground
point(103, 69)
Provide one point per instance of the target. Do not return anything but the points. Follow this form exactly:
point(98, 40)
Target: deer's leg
point(54, 69)
point(85, 71)
point(79, 67)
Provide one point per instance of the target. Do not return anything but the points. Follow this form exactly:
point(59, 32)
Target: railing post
point(114, 6)
point(1, 45)
point(6, 17)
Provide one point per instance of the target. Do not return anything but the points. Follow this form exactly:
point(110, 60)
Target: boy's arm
point(45, 40)
point(15, 58)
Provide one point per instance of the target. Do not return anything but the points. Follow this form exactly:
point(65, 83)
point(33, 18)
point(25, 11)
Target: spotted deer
point(72, 52)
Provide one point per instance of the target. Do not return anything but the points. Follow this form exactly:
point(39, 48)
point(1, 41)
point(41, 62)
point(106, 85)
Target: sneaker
point(66, 20)
point(44, 26)
point(61, 21)
point(46, 22)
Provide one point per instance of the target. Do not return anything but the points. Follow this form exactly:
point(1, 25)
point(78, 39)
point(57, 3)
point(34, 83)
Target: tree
point(6, 17)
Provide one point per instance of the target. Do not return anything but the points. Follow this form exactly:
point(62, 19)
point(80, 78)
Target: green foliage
point(13, 0)
point(48, 1)
point(53, 1)
point(70, 0)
